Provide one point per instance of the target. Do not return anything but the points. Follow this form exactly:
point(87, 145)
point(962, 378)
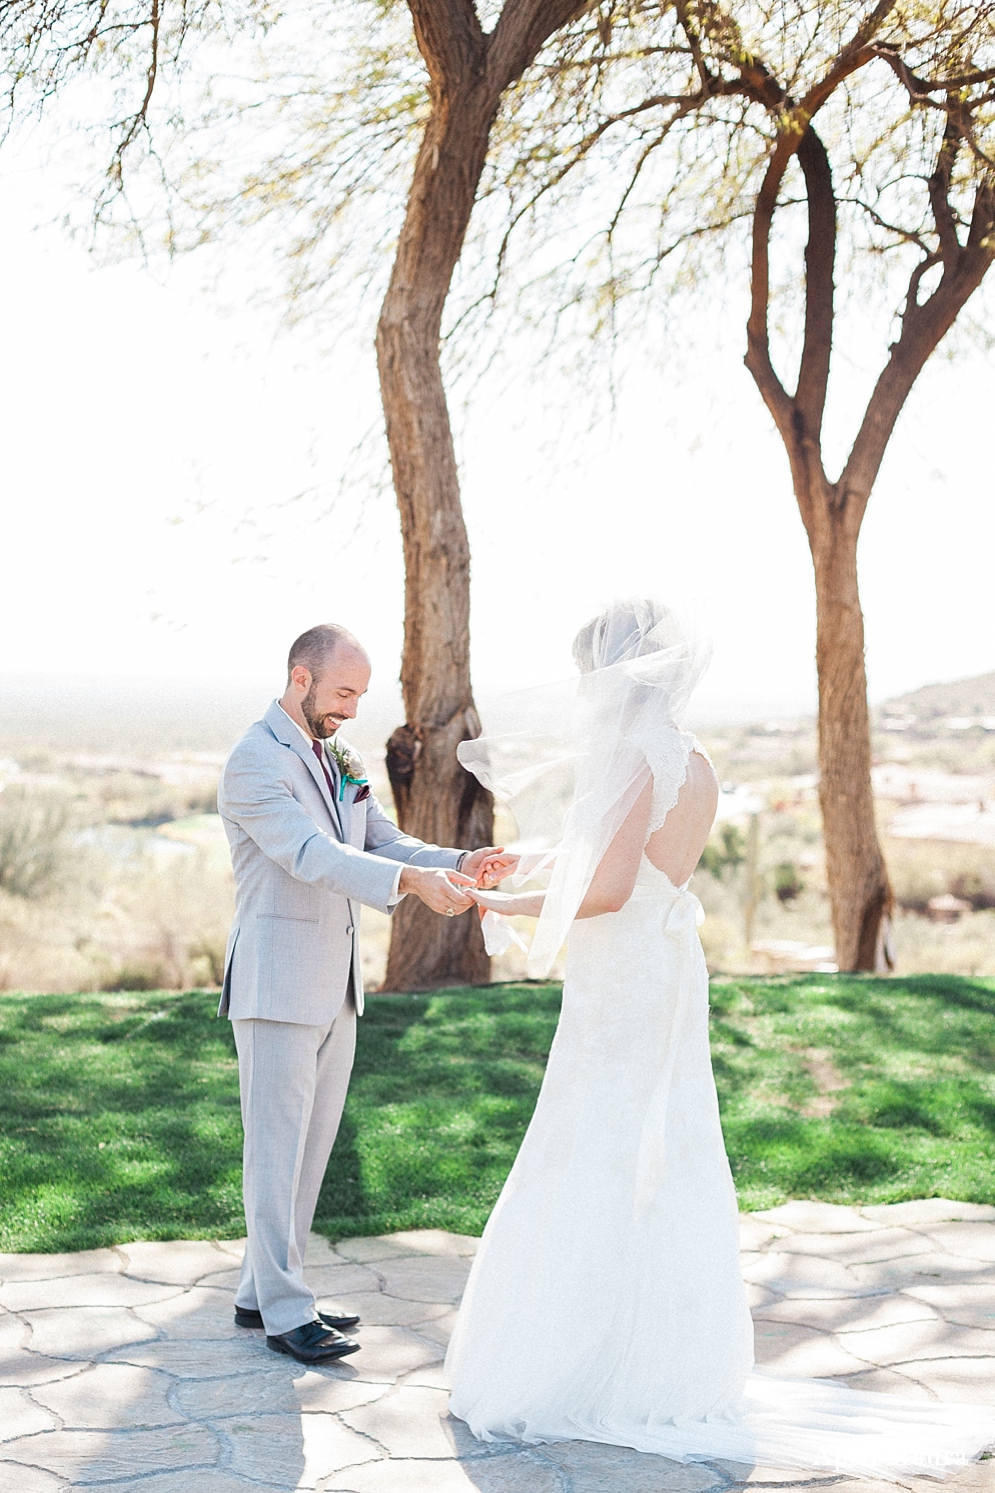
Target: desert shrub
point(788, 883)
point(976, 886)
point(43, 944)
point(202, 800)
point(135, 977)
point(725, 851)
point(35, 828)
point(166, 923)
point(208, 950)
point(921, 869)
point(144, 801)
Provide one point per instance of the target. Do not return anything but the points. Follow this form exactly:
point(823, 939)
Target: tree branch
point(799, 420)
point(939, 194)
point(923, 328)
point(758, 359)
point(919, 88)
point(915, 279)
point(981, 234)
point(820, 259)
point(694, 41)
point(450, 39)
point(523, 28)
point(903, 235)
point(116, 170)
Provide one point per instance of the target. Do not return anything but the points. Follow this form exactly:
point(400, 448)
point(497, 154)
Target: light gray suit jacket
point(303, 863)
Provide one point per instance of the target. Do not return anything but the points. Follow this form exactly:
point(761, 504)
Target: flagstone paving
point(122, 1368)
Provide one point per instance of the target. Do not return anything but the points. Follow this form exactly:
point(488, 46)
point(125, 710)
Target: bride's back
point(676, 847)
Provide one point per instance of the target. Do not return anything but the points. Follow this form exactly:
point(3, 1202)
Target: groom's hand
point(442, 891)
point(489, 865)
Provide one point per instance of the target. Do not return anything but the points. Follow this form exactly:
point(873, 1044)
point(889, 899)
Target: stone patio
point(122, 1369)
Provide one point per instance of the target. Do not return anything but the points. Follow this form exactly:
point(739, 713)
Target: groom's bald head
point(314, 648)
point(328, 673)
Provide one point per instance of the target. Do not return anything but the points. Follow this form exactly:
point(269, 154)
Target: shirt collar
point(307, 738)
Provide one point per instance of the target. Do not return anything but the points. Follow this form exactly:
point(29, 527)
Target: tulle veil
point(568, 760)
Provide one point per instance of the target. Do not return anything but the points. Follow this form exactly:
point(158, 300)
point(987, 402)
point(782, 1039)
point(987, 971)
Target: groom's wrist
point(460, 859)
point(396, 895)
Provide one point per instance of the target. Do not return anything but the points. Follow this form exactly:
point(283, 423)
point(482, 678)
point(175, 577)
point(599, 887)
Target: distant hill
point(960, 699)
point(153, 716)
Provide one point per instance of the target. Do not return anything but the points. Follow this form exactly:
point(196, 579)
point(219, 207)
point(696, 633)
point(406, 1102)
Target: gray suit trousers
point(293, 1080)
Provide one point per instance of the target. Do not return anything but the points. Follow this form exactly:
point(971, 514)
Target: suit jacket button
point(350, 929)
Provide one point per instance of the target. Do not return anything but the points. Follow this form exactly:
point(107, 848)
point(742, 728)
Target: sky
point(171, 467)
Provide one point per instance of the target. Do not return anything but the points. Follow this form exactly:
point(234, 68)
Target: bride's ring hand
point(491, 901)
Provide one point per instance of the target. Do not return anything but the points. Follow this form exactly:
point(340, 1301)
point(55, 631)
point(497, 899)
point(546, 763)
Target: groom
point(309, 843)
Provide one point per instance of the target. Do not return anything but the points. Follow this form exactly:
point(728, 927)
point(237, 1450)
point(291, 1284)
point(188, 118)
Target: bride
point(606, 1302)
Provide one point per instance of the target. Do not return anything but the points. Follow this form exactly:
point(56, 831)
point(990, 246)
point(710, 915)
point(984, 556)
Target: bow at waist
point(685, 913)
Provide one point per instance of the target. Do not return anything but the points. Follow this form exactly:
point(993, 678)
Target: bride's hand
point(509, 904)
point(493, 901)
point(489, 865)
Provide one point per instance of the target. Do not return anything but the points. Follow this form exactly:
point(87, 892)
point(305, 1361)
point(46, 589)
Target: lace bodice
point(668, 754)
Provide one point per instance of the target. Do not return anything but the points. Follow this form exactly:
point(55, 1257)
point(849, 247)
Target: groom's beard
point(320, 726)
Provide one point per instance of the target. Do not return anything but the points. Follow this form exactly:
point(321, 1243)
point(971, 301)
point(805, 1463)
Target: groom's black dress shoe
point(312, 1343)
point(244, 1317)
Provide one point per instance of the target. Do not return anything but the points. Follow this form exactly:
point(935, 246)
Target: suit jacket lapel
point(353, 820)
point(285, 730)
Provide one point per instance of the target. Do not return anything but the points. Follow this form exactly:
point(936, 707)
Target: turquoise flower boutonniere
point(351, 770)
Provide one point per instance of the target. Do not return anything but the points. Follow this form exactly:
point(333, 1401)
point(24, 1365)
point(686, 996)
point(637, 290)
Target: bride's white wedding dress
point(606, 1301)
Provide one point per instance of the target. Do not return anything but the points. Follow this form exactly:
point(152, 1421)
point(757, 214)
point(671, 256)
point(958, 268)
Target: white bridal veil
point(569, 760)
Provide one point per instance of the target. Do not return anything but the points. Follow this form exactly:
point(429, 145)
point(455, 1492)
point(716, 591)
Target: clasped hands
point(450, 892)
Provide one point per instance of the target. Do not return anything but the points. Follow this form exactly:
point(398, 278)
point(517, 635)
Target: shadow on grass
point(443, 1089)
point(915, 1116)
point(119, 1113)
point(119, 1120)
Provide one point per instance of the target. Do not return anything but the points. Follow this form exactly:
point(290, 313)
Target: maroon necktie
point(319, 752)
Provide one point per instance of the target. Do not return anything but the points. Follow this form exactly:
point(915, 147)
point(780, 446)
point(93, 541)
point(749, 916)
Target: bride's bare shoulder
point(701, 783)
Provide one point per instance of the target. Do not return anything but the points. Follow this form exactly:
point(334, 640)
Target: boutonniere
point(351, 770)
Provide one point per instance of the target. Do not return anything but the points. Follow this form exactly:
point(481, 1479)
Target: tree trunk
point(436, 799)
point(451, 808)
point(859, 889)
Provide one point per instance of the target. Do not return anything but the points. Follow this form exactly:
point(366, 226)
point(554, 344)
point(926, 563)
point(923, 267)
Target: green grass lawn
point(119, 1113)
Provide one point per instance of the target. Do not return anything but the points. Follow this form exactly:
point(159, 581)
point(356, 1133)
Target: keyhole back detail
point(675, 846)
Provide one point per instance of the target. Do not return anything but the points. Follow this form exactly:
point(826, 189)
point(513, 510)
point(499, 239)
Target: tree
point(707, 118)
point(832, 511)
point(469, 72)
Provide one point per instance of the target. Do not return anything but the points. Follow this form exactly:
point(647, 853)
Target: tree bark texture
point(859, 889)
point(832, 512)
point(435, 798)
